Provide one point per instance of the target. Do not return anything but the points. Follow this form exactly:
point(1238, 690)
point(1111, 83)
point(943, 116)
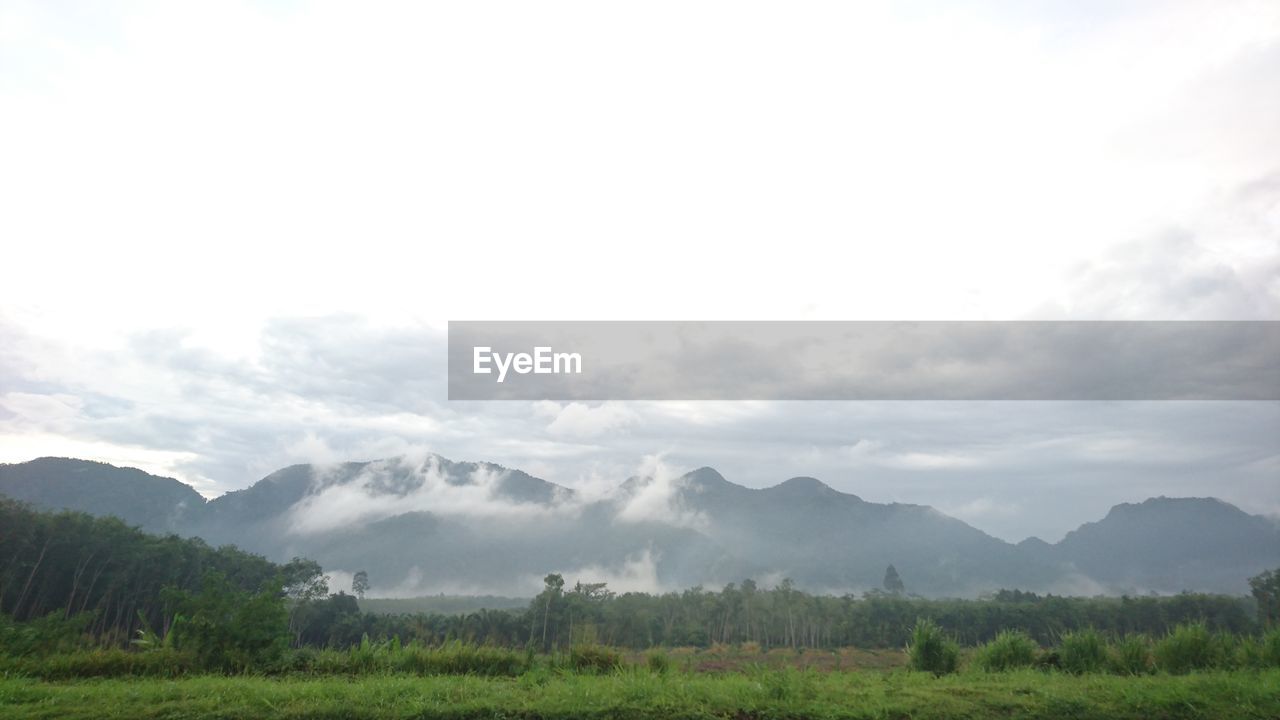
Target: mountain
point(1201, 541)
point(155, 504)
point(429, 524)
point(835, 541)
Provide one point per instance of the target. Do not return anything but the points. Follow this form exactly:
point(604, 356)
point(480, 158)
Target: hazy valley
point(429, 525)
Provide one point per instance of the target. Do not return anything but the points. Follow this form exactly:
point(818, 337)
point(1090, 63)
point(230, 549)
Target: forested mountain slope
point(428, 524)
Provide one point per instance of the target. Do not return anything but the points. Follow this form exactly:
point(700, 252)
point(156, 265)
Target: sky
point(231, 234)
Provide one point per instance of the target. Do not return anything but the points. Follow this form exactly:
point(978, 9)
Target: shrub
point(41, 636)
point(229, 629)
point(111, 662)
point(1083, 651)
point(658, 662)
point(1131, 655)
point(1259, 653)
point(594, 658)
point(1009, 650)
point(787, 684)
point(1188, 647)
point(453, 658)
point(1271, 648)
point(1248, 654)
point(1230, 652)
point(930, 650)
point(1049, 660)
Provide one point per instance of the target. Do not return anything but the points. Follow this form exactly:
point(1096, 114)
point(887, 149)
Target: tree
point(228, 628)
point(303, 580)
point(892, 582)
point(1266, 590)
point(360, 584)
point(554, 586)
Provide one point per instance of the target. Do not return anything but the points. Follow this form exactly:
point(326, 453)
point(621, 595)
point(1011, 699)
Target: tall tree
point(360, 584)
point(893, 582)
point(1266, 590)
point(554, 584)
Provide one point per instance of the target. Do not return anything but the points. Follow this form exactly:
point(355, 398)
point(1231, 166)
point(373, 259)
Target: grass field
point(762, 693)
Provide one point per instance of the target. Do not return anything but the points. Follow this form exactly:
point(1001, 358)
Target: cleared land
point(784, 693)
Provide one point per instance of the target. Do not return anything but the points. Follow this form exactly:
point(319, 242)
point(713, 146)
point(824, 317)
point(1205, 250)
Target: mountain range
point(420, 525)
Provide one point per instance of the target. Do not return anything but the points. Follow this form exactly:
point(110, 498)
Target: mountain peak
point(705, 477)
point(803, 485)
point(1163, 504)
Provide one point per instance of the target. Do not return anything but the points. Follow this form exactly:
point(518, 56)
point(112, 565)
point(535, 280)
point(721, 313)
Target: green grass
point(640, 694)
point(1083, 651)
point(1010, 650)
point(1190, 647)
point(930, 650)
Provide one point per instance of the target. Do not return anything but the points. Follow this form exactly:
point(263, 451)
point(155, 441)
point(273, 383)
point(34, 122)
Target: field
point(761, 693)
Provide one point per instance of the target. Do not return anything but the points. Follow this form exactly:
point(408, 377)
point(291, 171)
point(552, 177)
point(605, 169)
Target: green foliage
point(66, 563)
point(360, 584)
point(1270, 652)
point(103, 662)
point(43, 635)
point(70, 564)
point(787, 685)
point(1266, 592)
point(1131, 655)
point(594, 659)
point(1010, 650)
point(930, 650)
point(389, 656)
point(1083, 651)
point(1188, 647)
point(658, 662)
point(561, 696)
point(229, 629)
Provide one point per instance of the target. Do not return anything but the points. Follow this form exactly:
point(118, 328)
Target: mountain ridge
point(458, 525)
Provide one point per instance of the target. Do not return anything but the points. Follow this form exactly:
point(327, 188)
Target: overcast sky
point(231, 233)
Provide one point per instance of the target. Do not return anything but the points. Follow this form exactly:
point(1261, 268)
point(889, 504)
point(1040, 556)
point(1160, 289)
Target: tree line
point(119, 585)
point(785, 616)
point(121, 581)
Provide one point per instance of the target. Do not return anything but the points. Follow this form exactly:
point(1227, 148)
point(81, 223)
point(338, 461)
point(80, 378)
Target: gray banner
point(602, 360)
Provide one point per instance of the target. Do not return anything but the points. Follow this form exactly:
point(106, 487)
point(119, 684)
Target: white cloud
point(379, 491)
point(868, 451)
point(655, 497)
point(580, 420)
point(637, 573)
point(48, 412)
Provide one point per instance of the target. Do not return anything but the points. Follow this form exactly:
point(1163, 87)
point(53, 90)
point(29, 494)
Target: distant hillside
point(427, 525)
point(1201, 541)
point(155, 504)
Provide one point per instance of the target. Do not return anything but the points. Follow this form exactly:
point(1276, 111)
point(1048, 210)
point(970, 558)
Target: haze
point(232, 233)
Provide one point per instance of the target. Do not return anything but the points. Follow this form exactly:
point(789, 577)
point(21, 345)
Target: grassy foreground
point(762, 694)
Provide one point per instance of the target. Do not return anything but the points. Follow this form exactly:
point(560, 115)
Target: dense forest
point(68, 574)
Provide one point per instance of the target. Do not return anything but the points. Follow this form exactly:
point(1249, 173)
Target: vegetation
point(69, 564)
point(1191, 647)
point(1010, 650)
point(127, 582)
point(1083, 651)
point(931, 650)
point(1266, 592)
point(245, 630)
point(762, 694)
